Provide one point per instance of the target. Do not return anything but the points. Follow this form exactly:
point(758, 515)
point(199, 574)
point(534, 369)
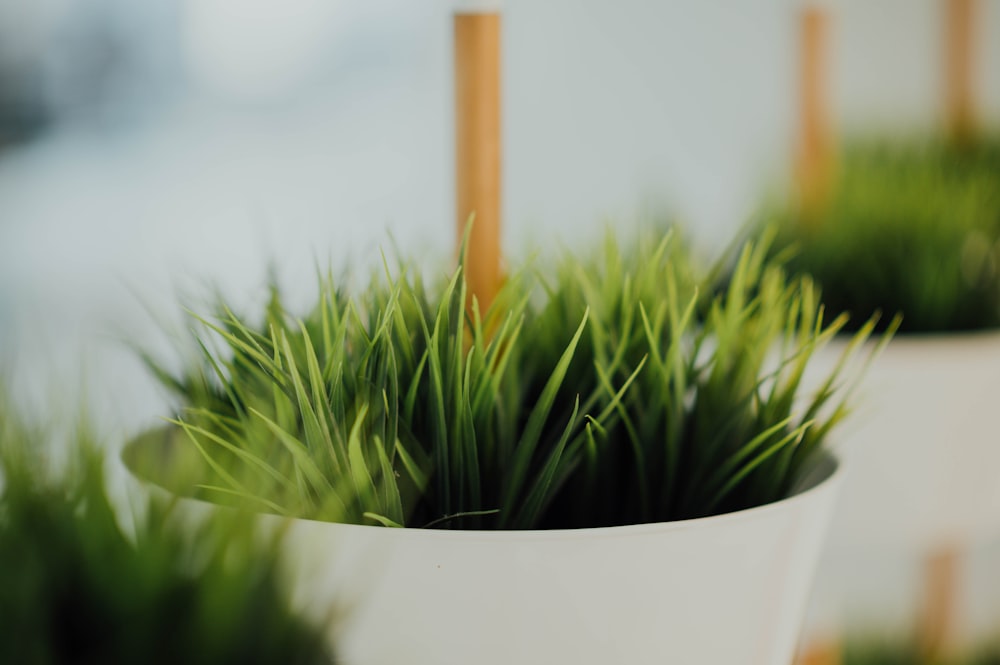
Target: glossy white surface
point(726, 589)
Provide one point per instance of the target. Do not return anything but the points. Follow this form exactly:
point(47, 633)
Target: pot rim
point(936, 338)
point(826, 474)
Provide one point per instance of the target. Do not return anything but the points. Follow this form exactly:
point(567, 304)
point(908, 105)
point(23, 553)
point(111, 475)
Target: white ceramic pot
point(725, 590)
point(923, 445)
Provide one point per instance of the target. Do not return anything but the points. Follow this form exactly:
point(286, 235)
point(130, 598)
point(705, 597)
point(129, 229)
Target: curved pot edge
point(826, 476)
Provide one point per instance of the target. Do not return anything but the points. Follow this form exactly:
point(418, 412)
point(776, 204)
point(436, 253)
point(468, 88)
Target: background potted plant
point(888, 652)
point(615, 465)
point(77, 587)
point(910, 225)
point(914, 228)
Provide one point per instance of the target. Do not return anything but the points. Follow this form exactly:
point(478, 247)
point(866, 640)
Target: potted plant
point(914, 227)
point(609, 465)
point(76, 587)
point(889, 652)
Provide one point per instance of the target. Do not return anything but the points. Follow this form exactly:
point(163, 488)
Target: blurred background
point(151, 150)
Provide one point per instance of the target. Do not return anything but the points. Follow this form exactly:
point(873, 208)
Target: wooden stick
point(820, 652)
point(478, 149)
point(938, 619)
point(814, 163)
point(960, 103)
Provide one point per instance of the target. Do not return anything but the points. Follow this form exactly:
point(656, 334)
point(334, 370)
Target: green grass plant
point(613, 389)
point(901, 652)
point(716, 418)
point(910, 227)
point(395, 407)
point(77, 587)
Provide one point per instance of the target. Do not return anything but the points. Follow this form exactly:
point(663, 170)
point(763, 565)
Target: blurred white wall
point(221, 135)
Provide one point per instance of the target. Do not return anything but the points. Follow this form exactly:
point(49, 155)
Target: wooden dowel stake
point(940, 603)
point(814, 161)
point(960, 102)
point(820, 652)
point(478, 149)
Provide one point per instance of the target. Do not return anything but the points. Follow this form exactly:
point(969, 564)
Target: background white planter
point(726, 590)
point(923, 445)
